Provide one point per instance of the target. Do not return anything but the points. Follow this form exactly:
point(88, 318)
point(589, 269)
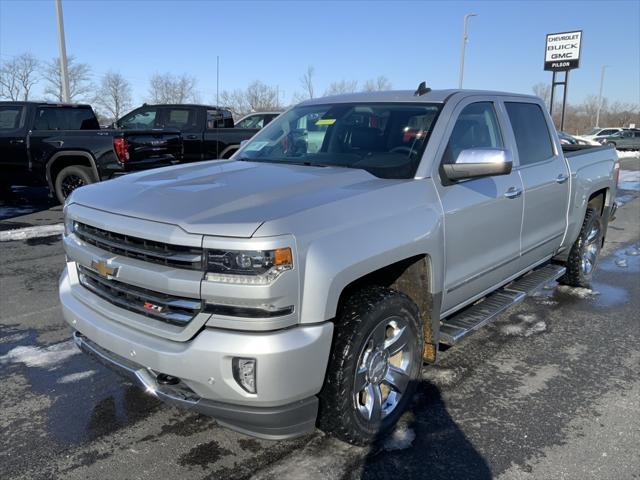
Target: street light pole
point(464, 43)
point(64, 74)
point(600, 95)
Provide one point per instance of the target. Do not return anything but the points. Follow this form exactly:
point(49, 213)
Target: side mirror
point(479, 162)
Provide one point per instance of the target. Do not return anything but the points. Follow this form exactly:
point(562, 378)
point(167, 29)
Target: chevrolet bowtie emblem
point(103, 269)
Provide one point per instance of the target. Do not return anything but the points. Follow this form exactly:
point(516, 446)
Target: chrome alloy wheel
point(382, 374)
point(590, 250)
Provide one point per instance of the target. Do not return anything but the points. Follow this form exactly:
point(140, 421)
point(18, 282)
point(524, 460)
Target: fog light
point(244, 371)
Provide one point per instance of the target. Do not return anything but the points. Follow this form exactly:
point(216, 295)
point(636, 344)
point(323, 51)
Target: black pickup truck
point(207, 132)
point(62, 146)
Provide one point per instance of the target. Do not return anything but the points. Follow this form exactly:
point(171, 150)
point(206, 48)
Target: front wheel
point(375, 363)
point(583, 257)
point(70, 178)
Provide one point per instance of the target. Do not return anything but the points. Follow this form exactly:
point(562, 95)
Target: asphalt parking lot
point(550, 390)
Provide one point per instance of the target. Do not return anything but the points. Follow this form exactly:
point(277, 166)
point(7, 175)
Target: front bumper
point(291, 366)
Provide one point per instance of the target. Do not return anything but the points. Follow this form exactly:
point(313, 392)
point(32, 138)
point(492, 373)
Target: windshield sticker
point(256, 146)
point(326, 121)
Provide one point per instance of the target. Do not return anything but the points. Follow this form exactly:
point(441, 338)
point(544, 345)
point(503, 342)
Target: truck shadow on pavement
point(440, 449)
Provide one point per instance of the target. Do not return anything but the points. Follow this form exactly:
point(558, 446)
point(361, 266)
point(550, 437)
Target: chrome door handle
point(16, 142)
point(561, 178)
point(513, 192)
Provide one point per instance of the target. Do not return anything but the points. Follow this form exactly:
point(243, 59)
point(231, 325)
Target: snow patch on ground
point(47, 357)
point(525, 325)
point(629, 180)
point(76, 377)
point(578, 291)
point(628, 154)
point(441, 377)
point(32, 232)
point(16, 337)
point(401, 438)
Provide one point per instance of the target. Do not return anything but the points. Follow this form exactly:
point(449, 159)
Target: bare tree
point(343, 86)
point(18, 76)
point(114, 95)
point(543, 91)
point(79, 79)
point(256, 97)
point(307, 82)
point(168, 88)
point(377, 84)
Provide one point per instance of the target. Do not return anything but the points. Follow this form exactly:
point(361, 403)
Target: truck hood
point(224, 198)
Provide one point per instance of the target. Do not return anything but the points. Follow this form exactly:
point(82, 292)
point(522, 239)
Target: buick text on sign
point(562, 51)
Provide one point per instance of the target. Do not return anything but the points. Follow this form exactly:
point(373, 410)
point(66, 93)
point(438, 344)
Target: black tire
point(583, 257)
point(70, 178)
point(613, 144)
point(366, 315)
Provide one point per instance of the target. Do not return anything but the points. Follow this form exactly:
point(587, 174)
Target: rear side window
point(10, 117)
point(219, 119)
point(180, 118)
point(476, 127)
point(531, 132)
point(65, 118)
point(608, 132)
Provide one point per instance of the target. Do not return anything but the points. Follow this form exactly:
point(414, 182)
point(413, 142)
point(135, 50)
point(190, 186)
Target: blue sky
point(275, 42)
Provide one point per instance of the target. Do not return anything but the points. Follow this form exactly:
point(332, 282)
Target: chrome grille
point(140, 248)
point(160, 306)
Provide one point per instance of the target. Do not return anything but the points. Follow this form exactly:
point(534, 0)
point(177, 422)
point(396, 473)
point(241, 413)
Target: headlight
point(256, 267)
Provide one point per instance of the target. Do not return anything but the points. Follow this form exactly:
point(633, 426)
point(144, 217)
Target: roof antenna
point(422, 89)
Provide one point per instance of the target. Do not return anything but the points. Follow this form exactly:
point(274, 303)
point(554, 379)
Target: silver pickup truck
point(305, 281)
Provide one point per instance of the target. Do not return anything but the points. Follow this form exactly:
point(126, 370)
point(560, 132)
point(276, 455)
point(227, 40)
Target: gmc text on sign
point(562, 51)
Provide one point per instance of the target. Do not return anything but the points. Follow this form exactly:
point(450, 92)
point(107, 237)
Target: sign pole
point(564, 98)
point(553, 89)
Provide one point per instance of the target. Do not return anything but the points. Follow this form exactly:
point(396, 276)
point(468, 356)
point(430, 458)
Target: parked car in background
point(63, 147)
point(206, 132)
point(627, 139)
point(267, 291)
point(599, 132)
point(568, 139)
point(256, 120)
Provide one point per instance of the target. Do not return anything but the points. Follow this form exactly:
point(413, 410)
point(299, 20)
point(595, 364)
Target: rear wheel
point(70, 178)
point(375, 362)
point(583, 258)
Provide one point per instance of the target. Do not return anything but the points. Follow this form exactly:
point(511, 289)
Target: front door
point(482, 216)
point(14, 162)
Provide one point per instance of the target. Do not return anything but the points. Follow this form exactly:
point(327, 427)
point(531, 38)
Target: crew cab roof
point(46, 104)
point(401, 96)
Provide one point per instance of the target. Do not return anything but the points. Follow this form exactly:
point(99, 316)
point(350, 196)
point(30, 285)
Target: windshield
point(593, 131)
point(387, 140)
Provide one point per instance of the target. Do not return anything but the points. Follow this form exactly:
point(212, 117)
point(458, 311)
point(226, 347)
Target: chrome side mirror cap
point(479, 162)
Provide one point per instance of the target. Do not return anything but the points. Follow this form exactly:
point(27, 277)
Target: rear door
point(482, 216)
point(545, 178)
point(14, 164)
point(187, 121)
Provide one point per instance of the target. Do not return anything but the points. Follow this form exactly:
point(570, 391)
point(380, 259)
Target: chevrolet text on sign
point(562, 51)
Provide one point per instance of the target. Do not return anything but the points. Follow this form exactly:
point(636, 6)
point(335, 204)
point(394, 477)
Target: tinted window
point(608, 132)
point(65, 118)
point(476, 127)
point(10, 117)
point(144, 119)
point(180, 118)
point(531, 132)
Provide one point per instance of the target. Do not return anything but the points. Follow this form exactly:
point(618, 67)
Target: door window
point(144, 119)
point(180, 118)
point(531, 133)
point(10, 117)
point(61, 118)
point(476, 127)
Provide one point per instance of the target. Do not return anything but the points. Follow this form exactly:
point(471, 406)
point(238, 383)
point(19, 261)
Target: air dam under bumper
point(273, 423)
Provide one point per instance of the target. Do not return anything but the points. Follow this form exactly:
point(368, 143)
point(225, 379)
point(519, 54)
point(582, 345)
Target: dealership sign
point(562, 51)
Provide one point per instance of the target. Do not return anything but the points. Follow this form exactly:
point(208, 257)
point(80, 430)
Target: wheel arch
point(63, 159)
point(230, 150)
point(412, 276)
